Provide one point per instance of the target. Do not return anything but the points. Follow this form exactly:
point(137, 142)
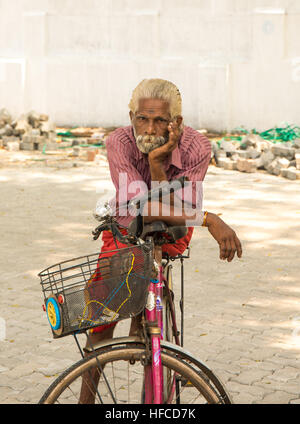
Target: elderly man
point(157, 147)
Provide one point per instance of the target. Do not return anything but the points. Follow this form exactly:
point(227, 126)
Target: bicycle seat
point(158, 228)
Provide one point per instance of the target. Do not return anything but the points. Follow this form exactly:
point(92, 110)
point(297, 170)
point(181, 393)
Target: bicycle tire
point(133, 353)
point(167, 318)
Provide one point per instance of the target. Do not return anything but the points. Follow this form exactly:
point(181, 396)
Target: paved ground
point(242, 318)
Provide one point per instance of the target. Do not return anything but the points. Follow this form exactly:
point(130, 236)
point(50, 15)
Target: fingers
point(223, 249)
point(229, 246)
point(239, 247)
point(173, 132)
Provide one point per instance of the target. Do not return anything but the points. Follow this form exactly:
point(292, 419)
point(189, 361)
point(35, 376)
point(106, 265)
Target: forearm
point(157, 171)
point(158, 211)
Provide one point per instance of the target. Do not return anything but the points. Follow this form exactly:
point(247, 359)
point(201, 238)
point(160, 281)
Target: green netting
point(275, 135)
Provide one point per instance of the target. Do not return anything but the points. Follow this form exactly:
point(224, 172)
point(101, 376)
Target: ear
point(179, 120)
point(131, 115)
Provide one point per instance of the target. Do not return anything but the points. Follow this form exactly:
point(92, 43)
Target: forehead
point(154, 107)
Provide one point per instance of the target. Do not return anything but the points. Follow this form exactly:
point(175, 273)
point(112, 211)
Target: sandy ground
point(242, 318)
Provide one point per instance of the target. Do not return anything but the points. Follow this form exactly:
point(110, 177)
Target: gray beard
point(147, 143)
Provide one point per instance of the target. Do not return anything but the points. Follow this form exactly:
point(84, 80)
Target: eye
point(162, 120)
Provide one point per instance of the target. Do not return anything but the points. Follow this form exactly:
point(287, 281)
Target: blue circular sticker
point(53, 313)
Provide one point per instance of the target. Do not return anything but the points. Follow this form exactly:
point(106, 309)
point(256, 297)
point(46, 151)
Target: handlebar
point(136, 230)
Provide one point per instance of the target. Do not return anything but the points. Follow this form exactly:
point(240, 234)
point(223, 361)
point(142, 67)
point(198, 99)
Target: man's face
point(150, 124)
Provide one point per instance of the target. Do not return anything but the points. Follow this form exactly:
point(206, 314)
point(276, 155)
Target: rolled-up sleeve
point(199, 155)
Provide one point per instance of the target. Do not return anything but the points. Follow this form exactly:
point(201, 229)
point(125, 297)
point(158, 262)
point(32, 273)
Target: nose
point(150, 128)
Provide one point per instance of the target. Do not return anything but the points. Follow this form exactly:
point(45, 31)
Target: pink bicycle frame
point(154, 372)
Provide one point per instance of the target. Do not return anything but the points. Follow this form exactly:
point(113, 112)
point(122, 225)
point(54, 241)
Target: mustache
point(147, 143)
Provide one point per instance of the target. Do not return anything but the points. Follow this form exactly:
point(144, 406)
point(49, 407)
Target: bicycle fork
point(154, 371)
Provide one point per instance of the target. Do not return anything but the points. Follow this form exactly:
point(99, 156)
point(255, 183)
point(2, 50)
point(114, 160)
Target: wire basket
point(94, 290)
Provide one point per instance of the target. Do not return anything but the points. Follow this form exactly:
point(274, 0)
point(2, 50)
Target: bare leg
point(90, 379)
point(136, 325)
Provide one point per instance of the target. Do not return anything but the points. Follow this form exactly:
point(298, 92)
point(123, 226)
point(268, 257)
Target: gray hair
point(157, 89)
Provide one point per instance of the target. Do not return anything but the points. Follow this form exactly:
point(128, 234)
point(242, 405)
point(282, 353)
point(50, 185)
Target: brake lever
point(96, 233)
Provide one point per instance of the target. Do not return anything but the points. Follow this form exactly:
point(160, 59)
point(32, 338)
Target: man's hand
point(225, 236)
point(161, 153)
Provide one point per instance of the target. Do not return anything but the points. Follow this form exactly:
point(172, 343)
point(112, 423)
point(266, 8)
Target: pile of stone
point(254, 153)
point(32, 131)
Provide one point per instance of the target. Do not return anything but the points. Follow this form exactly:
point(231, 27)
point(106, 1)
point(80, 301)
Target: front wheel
point(122, 375)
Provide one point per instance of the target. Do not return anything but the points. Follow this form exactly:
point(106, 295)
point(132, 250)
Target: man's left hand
point(225, 236)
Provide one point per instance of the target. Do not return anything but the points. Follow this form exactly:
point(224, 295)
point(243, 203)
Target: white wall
point(236, 62)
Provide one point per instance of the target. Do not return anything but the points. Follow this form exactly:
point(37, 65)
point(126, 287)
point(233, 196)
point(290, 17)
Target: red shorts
point(109, 244)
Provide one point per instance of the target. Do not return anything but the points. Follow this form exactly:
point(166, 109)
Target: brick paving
point(242, 319)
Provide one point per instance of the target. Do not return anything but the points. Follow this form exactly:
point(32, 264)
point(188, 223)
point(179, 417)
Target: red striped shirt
point(190, 158)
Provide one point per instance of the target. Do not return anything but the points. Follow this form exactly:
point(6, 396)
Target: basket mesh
point(98, 289)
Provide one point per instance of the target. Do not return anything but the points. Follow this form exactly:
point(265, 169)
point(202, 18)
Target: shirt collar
point(175, 159)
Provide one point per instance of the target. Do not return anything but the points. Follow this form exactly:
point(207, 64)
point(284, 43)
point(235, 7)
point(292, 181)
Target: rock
point(271, 168)
point(22, 126)
point(230, 165)
point(246, 165)
point(221, 162)
point(76, 150)
point(297, 157)
point(34, 132)
point(52, 137)
point(13, 146)
point(283, 151)
point(47, 126)
point(27, 145)
point(291, 173)
point(5, 117)
point(265, 159)
point(253, 153)
point(32, 142)
point(220, 154)
point(244, 154)
point(6, 140)
point(227, 146)
point(7, 130)
point(264, 145)
point(297, 143)
point(251, 140)
point(33, 119)
point(283, 163)
point(48, 146)
point(234, 157)
point(277, 165)
point(44, 117)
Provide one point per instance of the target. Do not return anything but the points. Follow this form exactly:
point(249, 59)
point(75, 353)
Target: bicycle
point(159, 370)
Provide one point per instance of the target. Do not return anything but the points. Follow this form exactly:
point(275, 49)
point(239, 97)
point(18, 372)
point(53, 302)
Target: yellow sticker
point(51, 314)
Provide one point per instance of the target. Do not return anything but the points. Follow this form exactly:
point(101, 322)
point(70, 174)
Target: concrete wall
point(236, 62)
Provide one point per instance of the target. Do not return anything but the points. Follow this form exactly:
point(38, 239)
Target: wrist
point(155, 161)
point(210, 219)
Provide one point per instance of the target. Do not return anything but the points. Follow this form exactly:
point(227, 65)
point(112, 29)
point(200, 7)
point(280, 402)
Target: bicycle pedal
point(186, 383)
